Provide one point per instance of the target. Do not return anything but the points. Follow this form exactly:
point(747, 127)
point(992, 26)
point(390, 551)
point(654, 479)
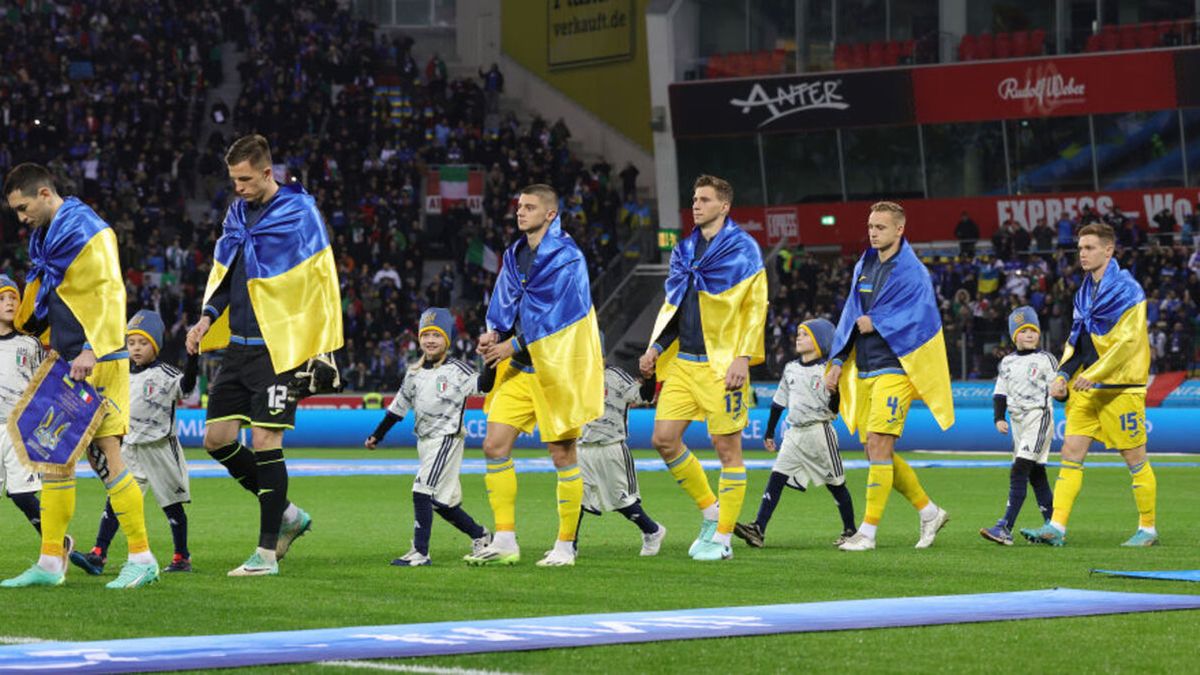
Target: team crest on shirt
point(1033, 371)
point(148, 390)
point(442, 384)
point(22, 359)
point(816, 384)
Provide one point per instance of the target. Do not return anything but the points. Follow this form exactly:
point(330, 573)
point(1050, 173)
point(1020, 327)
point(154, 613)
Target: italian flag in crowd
point(455, 183)
point(481, 254)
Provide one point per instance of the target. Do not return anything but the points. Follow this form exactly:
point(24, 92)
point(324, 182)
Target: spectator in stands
point(1165, 224)
point(1066, 232)
point(1002, 240)
point(966, 231)
point(1043, 236)
point(1179, 348)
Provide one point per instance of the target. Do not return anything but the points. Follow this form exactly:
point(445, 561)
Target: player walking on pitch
point(273, 304)
point(890, 341)
point(708, 333)
point(74, 289)
point(1105, 368)
point(544, 342)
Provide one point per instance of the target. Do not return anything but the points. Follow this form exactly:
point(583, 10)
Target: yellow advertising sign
point(585, 32)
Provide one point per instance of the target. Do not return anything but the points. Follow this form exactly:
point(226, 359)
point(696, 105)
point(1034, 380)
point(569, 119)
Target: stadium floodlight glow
point(828, 220)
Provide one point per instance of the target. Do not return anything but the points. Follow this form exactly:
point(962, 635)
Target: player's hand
point(864, 324)
point(196, 333)
point(769, 444)
point(738, 373)
point(486, 340)
point(647, 362)
point(1002, 427)
point(370, 443)
point(1082, 384)
point(83, 365)
point(498, 352)
point(832, 376)
point(1058, 388)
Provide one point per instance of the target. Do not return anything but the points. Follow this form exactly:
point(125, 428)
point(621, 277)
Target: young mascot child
point(151, 448)
point(609, 475)
point(810, 449)
point(436, 388)
point(1023, 389)
point(20, 356)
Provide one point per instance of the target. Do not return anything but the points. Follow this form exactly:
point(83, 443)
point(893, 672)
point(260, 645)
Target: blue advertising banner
point(1187, 395)
point(1170, 430)
point(967, 394)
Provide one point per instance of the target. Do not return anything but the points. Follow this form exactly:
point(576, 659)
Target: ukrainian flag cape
point(290, 275)
point(906, 315)
point(1116, 320)
point(78, 260)
point(732, 288)
point(559, 326)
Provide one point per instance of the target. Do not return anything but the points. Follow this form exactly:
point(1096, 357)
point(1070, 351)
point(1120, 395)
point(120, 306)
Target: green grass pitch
point(339, 574)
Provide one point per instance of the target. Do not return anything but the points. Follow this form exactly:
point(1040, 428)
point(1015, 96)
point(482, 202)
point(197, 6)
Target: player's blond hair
point(721, 186)
point(253, 148)
point(893, 208)
point(1102, 231)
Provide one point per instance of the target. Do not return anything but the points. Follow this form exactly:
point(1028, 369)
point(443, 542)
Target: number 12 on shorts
point(277, 397)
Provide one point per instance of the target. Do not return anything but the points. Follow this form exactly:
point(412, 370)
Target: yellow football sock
point(879, 486)
point(58, 505)
point(1066, 489)
point(501, 483)
point(906, 483)
point(127, 503)
point(732, 488)
point(690, 475)
point(1145, 493)
point(570, 501)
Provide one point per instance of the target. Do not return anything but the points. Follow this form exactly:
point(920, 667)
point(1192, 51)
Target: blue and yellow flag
point(905, 314)
point(1115, 317)
point(558, 323)
point(290, 275)
point(78, 260)
point(988, 281)
point(732, 288)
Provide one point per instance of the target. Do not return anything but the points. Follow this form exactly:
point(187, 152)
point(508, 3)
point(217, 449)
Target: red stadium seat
point(891, 53)
point(968, 48)
point(842, 56)
point(859, 59)
point(1147, 36)
point(1037, 42)
point(1004, 48)
point(987, 46)
point(1110, 39)
point(1094, 43)
point(1129, 36)
point(760, 63)
point(875, 54)
point(1020, 44)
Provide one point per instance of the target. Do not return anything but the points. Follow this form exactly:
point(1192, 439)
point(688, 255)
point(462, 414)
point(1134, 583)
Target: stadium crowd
point(977, 292)
point(117, 110)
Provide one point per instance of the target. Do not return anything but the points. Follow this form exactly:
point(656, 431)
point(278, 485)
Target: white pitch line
point(403, 668)
point(17, 640)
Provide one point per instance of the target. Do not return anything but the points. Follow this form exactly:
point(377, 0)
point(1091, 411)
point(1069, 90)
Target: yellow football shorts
point(883, 402)
point(514, 404)
point(111, 380)
point(692, 390)
point(1115, 417)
